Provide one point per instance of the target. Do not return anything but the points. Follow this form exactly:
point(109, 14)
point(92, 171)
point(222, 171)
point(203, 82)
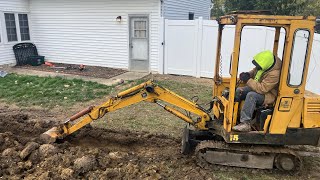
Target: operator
point(261, 87)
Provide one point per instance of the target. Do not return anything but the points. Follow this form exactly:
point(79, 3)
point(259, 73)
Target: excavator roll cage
point(148, 91)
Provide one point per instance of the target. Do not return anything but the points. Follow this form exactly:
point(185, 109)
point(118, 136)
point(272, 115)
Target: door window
point(140, 29)
point(298, 57)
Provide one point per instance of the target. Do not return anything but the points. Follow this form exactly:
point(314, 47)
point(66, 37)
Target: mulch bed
point(92, 71)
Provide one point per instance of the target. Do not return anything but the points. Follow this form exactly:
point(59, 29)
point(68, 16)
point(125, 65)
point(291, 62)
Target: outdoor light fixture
point(118, 19)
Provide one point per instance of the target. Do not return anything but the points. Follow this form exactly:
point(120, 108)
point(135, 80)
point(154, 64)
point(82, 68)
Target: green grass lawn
point(48, 91)
point(150, 117)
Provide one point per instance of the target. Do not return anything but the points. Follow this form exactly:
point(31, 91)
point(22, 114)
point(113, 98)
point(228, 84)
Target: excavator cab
point(296, 111)
point(294, 118)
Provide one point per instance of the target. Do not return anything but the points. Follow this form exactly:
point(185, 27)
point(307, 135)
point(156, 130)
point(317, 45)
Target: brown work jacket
point(268, 84)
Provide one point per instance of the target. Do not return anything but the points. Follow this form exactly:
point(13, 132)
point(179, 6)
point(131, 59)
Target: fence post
point(165, 47)
point(199, 46)
point(195, 47)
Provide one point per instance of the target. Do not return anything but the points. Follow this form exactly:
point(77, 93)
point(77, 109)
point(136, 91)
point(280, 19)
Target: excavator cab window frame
point(276, 53)
point(273, 47)
point(291, 59)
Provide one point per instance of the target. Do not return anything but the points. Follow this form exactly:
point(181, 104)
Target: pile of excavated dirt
point(95, 153)
point(91, 153)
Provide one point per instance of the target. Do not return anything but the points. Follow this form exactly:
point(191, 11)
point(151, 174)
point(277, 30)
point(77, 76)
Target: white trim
point(1, 28)
point(16, 16)
point(4, 29)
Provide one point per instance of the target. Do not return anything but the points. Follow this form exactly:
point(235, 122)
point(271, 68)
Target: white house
point(112, 33)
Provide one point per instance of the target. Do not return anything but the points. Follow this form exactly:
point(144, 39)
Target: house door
point(139, 43)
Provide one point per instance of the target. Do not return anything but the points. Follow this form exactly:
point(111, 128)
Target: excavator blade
point(51, 135)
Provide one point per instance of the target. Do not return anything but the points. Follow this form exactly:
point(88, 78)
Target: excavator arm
point(147, 91)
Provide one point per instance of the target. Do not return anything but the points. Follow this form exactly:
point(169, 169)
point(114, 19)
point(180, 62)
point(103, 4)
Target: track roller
point(288, 162)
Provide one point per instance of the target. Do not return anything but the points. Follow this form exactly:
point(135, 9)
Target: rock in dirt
point(67, 173)
point(9, 152)
point(111, 173)
point(84, 164)
point(28, 165)
point(28, 149)
point(34, 157)
point(153, 176)
point(118, 81)
point(46, 139)
point(117, 155)
point(132, 169)
point(46, 175)
point(1, 139)
point(37, 125)
point(46, 150)
point(20, 117)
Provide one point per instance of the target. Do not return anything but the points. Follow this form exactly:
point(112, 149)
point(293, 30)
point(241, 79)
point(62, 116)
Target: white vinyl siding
point(9, 6)
point(14, 5)
point(180, 9)
point(87, 32)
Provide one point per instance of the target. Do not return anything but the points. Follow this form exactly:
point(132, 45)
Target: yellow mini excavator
point(294, 118)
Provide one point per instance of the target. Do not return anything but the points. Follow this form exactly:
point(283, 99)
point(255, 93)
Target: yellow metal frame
point(280, 120)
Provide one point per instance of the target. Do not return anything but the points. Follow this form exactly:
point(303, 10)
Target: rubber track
point(241, 148)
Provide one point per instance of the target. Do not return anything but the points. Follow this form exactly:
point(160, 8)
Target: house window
point(11, 27)
point(24, 27)
point(191, 16)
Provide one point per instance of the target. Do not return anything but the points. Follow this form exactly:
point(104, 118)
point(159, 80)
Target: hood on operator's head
point(264, 60)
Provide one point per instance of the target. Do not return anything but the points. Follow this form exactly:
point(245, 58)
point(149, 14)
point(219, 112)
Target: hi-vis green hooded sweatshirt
point(266, 80)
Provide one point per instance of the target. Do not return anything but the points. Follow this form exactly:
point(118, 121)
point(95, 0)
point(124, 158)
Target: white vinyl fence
point(190, 49)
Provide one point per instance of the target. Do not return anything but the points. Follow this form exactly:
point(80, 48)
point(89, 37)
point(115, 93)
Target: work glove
point(244, 77)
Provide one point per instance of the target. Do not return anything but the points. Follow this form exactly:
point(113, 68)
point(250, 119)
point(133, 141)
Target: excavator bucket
point(51, 135)
point(58, 132)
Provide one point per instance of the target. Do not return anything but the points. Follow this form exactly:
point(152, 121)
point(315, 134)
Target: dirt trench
point(91, 153)
point(96, 153)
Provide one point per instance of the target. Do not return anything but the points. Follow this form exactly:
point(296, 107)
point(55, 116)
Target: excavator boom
point(147, 91)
